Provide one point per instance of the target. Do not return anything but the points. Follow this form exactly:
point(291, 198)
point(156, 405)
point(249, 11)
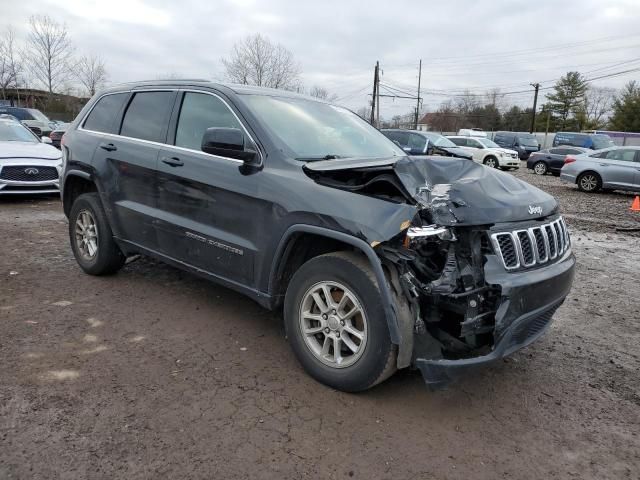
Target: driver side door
point(207, 203)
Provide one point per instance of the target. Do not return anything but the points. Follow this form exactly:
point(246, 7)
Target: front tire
point(91, 238)
point(336, 325)
point(540, 168)
point(491, 162)
point(589, 182)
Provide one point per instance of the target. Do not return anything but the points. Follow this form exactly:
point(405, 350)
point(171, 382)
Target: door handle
point(604, 164)
point(172, 161)
point(109, 147)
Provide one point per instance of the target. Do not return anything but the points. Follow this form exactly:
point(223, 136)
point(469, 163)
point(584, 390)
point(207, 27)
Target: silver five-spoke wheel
point(333, 324)
point(87, 234)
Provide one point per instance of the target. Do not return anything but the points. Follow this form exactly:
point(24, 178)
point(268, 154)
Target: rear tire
point(540, 168)
point(589, 182)
point(311, 325)
point(91, 238)
point(491, 162)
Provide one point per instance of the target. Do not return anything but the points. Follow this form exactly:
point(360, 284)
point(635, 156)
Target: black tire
point(108, 258)
point(377, 362)
point(589, 182)
point(491, 161)
point(540, 168)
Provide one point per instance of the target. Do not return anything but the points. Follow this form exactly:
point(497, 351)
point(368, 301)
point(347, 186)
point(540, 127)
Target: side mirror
point(228, 142)
point(46, 140)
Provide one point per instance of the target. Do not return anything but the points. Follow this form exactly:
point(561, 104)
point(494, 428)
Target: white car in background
point(488, 152)
point(28, 164)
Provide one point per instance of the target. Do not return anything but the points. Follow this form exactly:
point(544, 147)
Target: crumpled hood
point(456, 191)
point(459, 192)
point(28, 150)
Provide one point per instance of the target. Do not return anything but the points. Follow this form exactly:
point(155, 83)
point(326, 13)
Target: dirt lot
point(153, 373)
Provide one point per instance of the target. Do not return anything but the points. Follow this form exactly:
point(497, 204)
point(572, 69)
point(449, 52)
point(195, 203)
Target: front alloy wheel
point(491, 162)
point(334, 324)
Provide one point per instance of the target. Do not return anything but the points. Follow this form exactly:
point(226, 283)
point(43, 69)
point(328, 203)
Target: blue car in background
point(585, 140)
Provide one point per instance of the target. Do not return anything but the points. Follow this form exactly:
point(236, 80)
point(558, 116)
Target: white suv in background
point(488, 152)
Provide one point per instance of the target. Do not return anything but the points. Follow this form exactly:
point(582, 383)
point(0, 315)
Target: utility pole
point(375, 92)
point(415, 123)
point(535, 104)
point(378, 99)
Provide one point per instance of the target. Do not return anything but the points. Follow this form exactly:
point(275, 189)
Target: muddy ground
point(154, 373)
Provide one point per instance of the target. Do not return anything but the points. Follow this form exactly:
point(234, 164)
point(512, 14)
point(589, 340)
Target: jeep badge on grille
point(535, 210)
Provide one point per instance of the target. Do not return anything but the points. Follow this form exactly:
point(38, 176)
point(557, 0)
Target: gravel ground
point(153, 373)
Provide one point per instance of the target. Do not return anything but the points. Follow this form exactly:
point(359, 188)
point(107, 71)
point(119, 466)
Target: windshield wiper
point(316, 159)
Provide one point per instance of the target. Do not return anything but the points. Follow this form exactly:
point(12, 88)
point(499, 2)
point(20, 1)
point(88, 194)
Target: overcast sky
point(463, 44)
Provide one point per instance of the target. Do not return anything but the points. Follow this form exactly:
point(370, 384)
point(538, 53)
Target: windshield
point(314, 130)
point(15, 132)
point(38, 115)
point(439, 140)
point(602, 141)
point(488, 143)
point(528, 140)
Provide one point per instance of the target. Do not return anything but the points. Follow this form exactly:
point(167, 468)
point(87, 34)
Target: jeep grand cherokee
point(379, 261)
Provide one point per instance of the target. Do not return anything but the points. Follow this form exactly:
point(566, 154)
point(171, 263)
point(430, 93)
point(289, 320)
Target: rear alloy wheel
point(589, 182)
point(491, 162)
point(91, 239)
point(540, 168)
point(336, 324)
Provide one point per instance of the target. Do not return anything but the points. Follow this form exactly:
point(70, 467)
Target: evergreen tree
point(567, 100)
point(626, 109)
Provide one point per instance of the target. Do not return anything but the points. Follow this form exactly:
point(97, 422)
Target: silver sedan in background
point(614, 168)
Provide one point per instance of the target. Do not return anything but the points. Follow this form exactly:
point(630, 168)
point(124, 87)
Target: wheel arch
point(285, 263)
point(76, 183)
point(589, 170)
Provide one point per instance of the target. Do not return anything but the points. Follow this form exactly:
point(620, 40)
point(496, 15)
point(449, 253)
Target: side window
point(147, 116)
point(573, 151)
point(461, 142)
point(102, 116)
point(473, 143)
point(562, 151)
point(417, 142)
point(200, 111)
point(622, 155)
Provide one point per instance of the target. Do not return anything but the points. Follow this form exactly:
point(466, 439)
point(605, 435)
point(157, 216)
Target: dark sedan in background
point(58, 132)
point(551, 160)
point(416, 142)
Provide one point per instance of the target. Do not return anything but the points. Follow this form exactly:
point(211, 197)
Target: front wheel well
point(74, 186)
point(300, 248)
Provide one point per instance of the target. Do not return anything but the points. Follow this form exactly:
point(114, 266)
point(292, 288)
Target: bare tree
point(10, 65)
point(257, 61)
point(322, 93)
point(598, 104)
point(92, 73)
point(49, 52)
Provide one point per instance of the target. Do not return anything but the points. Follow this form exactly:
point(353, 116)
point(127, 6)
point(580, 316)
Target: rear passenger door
point(207, 204)
point(128, 162)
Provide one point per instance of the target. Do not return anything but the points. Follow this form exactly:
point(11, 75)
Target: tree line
point(47, 59)
point(572, 105)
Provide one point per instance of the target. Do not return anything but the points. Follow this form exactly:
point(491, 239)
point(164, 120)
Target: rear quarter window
point(102, 117)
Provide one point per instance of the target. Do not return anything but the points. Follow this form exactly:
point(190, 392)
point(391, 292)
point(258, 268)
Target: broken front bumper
point(528, 301)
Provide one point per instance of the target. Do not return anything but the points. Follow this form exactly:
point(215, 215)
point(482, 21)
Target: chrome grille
point(532, 246)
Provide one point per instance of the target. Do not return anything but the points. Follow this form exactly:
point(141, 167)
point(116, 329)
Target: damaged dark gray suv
point(380, 261)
